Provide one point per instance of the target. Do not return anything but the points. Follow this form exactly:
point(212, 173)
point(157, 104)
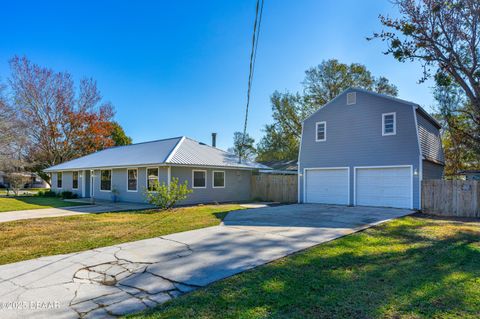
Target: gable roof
point(388, 97)
point(181, 151)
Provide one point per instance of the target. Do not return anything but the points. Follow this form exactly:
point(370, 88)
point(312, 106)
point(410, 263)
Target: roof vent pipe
point(214, 139)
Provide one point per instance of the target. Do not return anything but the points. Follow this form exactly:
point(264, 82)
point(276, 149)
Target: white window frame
point(61, 187)
point(394, 123)
point(136, 188)
point(213, 179)
point(78, 179)
point(193, 178)
point(146, 175)
point(100, 179)
point(325, 131)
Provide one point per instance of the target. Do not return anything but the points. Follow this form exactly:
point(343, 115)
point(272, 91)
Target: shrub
point(47, 193)
point(166, 196)
point(68, 195)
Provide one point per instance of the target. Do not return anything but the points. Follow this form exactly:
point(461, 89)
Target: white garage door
point(387, 187)
point(327, 186)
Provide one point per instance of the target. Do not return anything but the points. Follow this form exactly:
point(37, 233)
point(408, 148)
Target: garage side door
point(327, 186)
point(385, 187)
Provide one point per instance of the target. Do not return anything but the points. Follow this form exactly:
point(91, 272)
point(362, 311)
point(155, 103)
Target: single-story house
point(32, 180)
point(127, 171)
point(370, 149)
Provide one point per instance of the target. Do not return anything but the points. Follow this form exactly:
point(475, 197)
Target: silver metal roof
point(191, 152)
point(174, 151)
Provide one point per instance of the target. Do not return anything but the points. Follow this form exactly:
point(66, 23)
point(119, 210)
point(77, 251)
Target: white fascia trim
point(175, 149)
point(394, 123)
point(136, 189)
point(299, 178)
point(420, 159)
point(324, 168)
point(213, 179)
point(385, 166)
point(193, 179)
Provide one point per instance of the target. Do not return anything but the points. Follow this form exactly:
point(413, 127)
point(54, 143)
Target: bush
point(47, 193)
point(166, 196)
point(68, 195)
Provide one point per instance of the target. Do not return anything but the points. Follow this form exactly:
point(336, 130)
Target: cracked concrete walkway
point(126, 278)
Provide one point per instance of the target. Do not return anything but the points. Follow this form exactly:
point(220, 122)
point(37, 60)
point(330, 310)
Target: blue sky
point(176, 68)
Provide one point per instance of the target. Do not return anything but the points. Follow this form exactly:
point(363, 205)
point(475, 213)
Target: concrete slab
point(121, 279)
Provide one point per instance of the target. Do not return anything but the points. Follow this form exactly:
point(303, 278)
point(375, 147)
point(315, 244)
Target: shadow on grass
point(391, 271)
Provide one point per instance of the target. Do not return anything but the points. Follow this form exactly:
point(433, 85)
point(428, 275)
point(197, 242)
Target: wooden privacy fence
point(451, 198)
point(277, 188)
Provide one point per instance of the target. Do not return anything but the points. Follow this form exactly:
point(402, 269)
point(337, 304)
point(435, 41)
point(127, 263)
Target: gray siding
point(354, 138)
point(430, 140)
point(237, 185)
point(67, 183)
point(119, 182)
point(432, 170)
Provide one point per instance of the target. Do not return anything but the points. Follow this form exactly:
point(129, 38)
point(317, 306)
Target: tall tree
point(12, 137)
point(444, 36)
point(322, 83)
point(458, 154)
point(328, 79)
point(60, 123)
point(118, 135)
point(243, 147)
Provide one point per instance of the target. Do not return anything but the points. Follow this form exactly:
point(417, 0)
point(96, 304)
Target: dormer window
point(321, 131)
point(389, 124)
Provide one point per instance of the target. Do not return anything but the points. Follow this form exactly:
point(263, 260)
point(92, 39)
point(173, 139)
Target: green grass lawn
point(414, 267)
point(27, 239)
point(32, 202)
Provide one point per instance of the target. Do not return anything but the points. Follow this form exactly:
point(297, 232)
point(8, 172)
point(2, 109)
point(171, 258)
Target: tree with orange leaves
point(61, 124)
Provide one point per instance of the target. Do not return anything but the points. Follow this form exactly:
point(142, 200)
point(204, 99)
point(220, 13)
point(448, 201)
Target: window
point(105, 180)
point(351, 98)
point(132, 180)
point(389, 124)
point(218, 179)
point(75, 180)
point(59, 180)
point(152, 177)
point(199, 179)
point(321, 131)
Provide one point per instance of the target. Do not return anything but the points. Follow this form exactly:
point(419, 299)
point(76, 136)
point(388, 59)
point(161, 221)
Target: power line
point(253, 57)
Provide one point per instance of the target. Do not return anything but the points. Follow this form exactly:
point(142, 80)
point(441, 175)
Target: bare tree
point(59, 124)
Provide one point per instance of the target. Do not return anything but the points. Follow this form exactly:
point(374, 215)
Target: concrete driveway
point(131, 277)
point(98, 207)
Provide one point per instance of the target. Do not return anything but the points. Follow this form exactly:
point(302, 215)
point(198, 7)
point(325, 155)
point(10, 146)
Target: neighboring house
point(471, 175)
point(214, 175)
point(364, 148)
point(34, 181)
point(281, 167)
